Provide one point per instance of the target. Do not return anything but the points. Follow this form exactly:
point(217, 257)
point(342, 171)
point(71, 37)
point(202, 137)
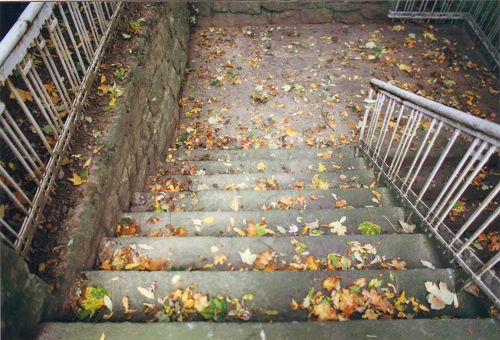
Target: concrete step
point(424, 329)
point(203, 252)
point(276, 154)
point(267, 166)
point(222, 200)
point(258, 181)
point(221, 223)
point(272, 292)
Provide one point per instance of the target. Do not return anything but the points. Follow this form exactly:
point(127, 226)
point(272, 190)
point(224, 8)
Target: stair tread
point(198, 251)
point(254, 200)
point(271, 290)
point(386, 329)
point(263, 153)
point(151, 222)
point(349, 178)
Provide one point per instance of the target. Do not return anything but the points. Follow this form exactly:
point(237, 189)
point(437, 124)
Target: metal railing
point(438, 160)
point(482, 16)
point(47, 62)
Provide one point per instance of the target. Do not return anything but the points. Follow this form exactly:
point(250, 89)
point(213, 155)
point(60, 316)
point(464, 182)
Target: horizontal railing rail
point(482, 17)
point(48, 60)
point(443, 164)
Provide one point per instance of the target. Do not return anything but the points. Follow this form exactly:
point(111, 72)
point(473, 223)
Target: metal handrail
point(410, 140)
point(481, 126)
point(48, 60)
point(480, 15)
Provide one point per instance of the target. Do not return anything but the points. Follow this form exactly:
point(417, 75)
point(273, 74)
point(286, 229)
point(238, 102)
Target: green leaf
point(271, 312)
point(126, 36)
point(216, 310)
point(369, 228)
point(93, 301)
point(119, 73)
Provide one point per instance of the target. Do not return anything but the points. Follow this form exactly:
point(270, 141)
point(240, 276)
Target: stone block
point(236, 19)
point(285, 17)
point(245, 7)
point(24, 296)
point(316, 16)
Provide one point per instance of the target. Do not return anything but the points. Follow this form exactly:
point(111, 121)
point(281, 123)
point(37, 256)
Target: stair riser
point(391, 330)
point(349, 179)
point(277, 154)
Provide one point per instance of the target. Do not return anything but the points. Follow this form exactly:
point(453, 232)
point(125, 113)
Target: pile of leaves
point(162, 184)
point(86, 301)
point(186, 304)
point(128, 258)
point(127, 227)
point(361, 299)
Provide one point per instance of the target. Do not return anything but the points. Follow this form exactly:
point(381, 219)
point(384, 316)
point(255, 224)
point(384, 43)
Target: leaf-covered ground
point(288, 86)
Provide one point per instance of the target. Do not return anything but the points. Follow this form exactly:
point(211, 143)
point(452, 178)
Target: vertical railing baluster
point(424, 157)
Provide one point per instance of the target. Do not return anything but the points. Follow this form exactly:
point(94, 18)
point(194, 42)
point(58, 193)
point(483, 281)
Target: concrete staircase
point(269, 241)
point(216, 248)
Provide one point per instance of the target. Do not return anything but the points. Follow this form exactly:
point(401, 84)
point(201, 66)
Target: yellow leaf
point(321, 168)
point(76, 179)
point(398, 28)
point(112, 102)
point(405, 68)
point(291, 131)
point(103, 336)
point(219, 259)
point(318, 183)
point(126, 305)
point(324, 312)
point(104, 88)
point(430, 36)
point(132, 265)
point(239, 231)
point(25, 95)
point(208, 220)
point(42, 266)
point(261, 166)
point(332, 282)
point(87, 163)
point(103, 79)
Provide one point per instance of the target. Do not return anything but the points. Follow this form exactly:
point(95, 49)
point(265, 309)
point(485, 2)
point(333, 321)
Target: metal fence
point(482, 16)
point(441, 162)
point(47, 62)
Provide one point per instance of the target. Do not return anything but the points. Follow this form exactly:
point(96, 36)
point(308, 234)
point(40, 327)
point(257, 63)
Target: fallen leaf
point(440, 297)
point(331, 283)
point(261, 166)
point(208, 220)
point(146, 293)
point(405, 68)
point(324, 311)
point(321, 168)
point(76, 179)
point(247, 257)
point(108, 303)
point(427, 264)
point(291, 131)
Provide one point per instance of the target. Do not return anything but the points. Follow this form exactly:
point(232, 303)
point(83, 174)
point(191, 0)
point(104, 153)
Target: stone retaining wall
point(234, 13)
